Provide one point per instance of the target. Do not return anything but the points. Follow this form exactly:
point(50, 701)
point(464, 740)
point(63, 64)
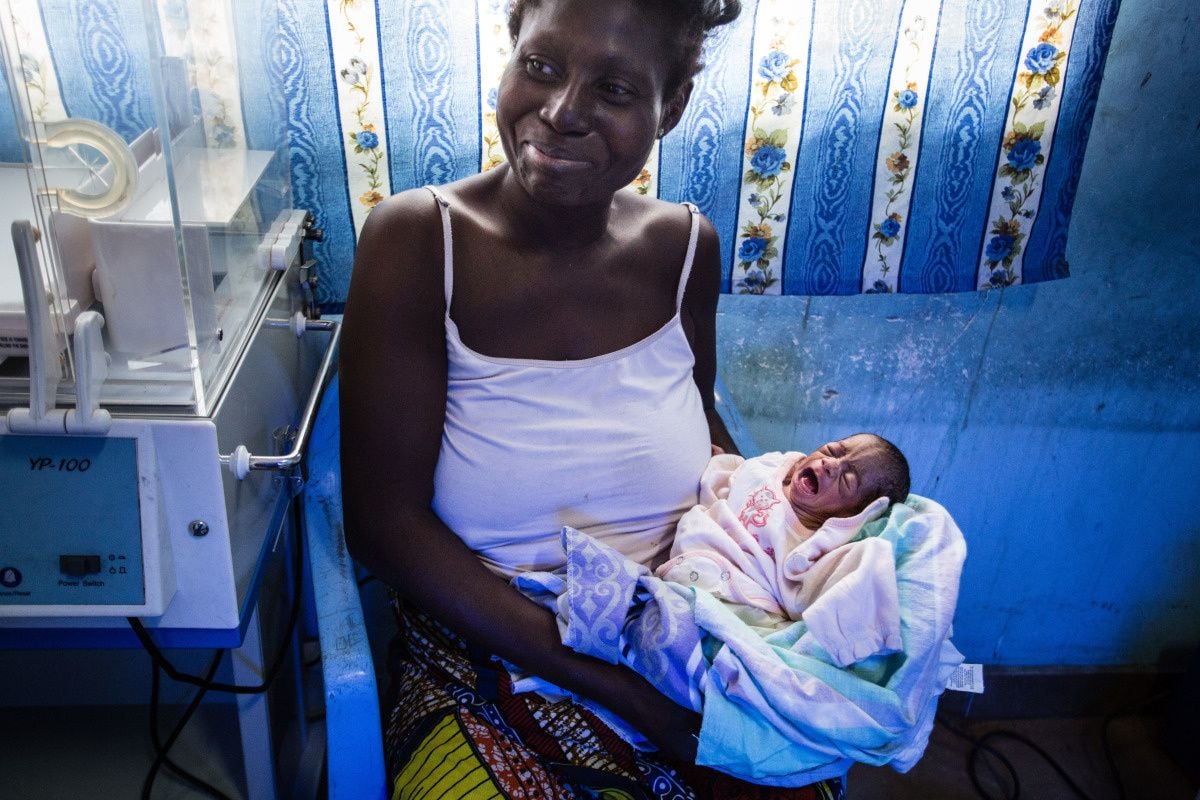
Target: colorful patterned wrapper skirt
point(456, 730)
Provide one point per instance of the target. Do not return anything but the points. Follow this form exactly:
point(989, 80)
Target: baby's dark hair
point(894, 482)
point(692, 19)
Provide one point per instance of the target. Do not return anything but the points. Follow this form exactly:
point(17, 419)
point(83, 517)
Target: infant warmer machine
point(159, 363)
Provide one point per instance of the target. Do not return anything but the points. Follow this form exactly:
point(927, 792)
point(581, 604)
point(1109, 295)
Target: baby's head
point(841, 478)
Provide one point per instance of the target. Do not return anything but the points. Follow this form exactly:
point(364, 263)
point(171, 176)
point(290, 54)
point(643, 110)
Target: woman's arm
point(393, 400)
point(700, 317)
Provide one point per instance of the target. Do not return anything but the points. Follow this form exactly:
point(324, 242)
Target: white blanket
point(776, 710)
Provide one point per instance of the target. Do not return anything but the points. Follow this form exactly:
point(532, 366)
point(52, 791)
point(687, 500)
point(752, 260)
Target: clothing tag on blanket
point(967, 678)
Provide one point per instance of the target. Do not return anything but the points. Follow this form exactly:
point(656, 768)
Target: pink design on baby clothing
point(758, 506)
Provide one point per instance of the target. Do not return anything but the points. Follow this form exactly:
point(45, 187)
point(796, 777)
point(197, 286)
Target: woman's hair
point(894, 481)
point(692, 20)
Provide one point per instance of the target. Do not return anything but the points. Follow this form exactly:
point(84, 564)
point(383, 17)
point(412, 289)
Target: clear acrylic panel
point(147, 144)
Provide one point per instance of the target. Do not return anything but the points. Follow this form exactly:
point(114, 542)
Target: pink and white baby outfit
point(744, 544)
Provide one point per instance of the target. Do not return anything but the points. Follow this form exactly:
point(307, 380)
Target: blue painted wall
point(1059, 422)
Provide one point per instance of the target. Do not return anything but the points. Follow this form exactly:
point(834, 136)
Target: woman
point(532, 347)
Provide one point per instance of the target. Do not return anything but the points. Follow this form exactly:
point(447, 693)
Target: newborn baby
point(769, 532)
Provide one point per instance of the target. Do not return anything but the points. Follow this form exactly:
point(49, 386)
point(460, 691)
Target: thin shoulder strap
point(447, 245)
point(691, 253)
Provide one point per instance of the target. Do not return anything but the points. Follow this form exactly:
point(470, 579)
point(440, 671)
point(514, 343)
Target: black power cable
point(293, 615)
point(981, 745)
point(191, 779)
point(971, 770)
point(161, 757)
point(206, 683)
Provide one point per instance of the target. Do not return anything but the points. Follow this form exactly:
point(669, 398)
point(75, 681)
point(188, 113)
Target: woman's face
point(581, 102)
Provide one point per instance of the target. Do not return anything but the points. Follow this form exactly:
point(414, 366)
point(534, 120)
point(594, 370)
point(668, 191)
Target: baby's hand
point(717, 450)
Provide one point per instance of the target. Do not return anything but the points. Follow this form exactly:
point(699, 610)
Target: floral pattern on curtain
point(839, 146)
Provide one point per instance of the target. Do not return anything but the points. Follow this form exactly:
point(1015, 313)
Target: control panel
point(72, 524)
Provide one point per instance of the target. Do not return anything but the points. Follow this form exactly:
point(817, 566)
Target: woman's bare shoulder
point(650, 210)
point(394, 307)
point(650, 216)
point(401, 241)
point(409, 211)
point(662, 225)
point(398, 261)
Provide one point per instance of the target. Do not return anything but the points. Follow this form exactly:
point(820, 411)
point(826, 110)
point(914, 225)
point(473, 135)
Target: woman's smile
point(554, 158)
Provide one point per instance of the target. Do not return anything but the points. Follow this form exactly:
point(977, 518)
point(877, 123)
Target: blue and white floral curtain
point(839, 146)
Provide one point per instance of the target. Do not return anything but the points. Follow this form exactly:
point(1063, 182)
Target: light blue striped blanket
point(775, 708)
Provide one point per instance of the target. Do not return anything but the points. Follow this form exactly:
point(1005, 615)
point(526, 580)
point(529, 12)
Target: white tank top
point(612, 445)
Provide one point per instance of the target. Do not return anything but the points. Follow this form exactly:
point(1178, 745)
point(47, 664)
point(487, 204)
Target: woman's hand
point(675, 730)
point(670, 727)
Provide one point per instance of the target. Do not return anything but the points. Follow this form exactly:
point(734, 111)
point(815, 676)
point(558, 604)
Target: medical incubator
point(160, 355)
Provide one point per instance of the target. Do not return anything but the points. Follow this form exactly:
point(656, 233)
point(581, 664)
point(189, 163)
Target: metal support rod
point(292, 458)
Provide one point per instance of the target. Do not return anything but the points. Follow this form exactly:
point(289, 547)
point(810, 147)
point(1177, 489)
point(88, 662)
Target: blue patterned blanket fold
point(775, 708)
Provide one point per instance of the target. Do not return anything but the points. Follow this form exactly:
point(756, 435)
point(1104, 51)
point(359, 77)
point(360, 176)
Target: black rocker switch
point(79, 566)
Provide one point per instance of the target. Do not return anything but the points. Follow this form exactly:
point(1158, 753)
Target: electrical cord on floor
point(1012, 771)
point(160, 751)
point(161, 756)
point(980, 746)
point(311, 662)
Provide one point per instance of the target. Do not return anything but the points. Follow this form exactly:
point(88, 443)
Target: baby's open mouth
point(807, 478)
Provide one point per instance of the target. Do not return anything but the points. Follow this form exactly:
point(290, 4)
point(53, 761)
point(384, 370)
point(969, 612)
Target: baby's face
point(838, 479)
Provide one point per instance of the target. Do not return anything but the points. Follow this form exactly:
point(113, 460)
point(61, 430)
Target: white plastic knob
point(239, 462)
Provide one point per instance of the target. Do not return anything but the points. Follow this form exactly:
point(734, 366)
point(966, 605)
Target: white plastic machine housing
point(198, 576)
point(180, 232)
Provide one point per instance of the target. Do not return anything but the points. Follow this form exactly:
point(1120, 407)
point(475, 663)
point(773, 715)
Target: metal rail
point(241, 461)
